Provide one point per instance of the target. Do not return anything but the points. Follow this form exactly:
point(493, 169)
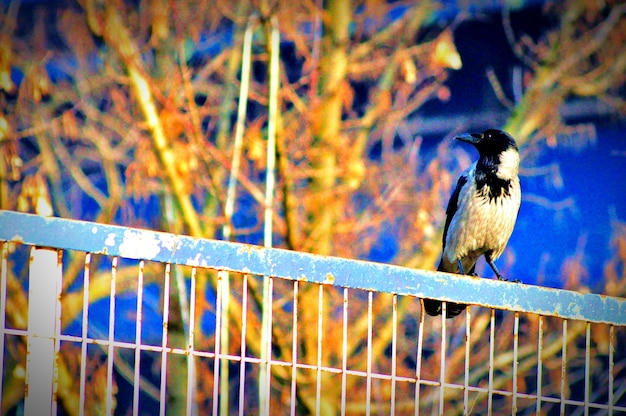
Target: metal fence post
point(45, 274)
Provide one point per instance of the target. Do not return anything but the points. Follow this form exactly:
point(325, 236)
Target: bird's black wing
point(431, 306)
point(453, 205)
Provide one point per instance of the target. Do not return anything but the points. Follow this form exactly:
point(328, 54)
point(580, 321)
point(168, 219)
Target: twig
point(117, 35)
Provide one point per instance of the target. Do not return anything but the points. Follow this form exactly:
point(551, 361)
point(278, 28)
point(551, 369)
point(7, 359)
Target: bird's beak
point(473, 138)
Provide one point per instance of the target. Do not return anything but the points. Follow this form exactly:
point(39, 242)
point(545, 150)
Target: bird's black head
point(490, 142)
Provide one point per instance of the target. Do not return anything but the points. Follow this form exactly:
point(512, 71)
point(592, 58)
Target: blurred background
point(127, 112)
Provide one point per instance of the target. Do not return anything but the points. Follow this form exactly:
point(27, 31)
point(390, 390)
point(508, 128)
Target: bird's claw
point(502, 279)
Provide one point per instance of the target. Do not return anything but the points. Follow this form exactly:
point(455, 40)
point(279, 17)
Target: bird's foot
point(502, 279)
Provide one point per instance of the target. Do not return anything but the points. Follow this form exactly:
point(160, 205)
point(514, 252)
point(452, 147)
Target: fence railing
point(118, 320)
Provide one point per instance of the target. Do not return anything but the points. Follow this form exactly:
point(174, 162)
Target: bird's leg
point(462, 271)
point(458, 261)
point(495, 269)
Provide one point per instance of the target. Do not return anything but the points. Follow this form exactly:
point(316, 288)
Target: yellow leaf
point(347, 94)
point(255, 143)
point(34, 196)
point(409, 71)
point(43, 206)
point(5, 80)
point(5, 64)
point(43, 81)
point(445, 54)
point(16, 167)
point(39, 83)
point(160, 25)
point(4, 127)
point(355, 172)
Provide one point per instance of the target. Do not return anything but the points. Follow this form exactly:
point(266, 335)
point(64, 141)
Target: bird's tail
point(434, 308)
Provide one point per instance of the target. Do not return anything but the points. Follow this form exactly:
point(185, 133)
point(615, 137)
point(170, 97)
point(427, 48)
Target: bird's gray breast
point(482, 222)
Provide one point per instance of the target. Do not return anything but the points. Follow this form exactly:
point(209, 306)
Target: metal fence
point(100, 319)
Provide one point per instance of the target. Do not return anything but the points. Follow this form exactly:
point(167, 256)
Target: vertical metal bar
point(368, 393)
point(563, 366)
point(4, 274)
point(166, 319)
point(515, 358)
point(218, 344)
point(265, 324)
point(242, 105)
point(183, 304)
point(45, 272)
point(539, 364)
point(611, 366)
point(587, 366)
point(344, 352)
point(224, 340)
point(111, 349)
point(224, 375)
point(272, 121)
point(468, 326)
point(418, 360)
point(318, 370)
point(267, 307)
point(181, 295)
point(244, 331)
point(84, 335)
point(492, 341)
point(138, 322)
point(394, 352)
point(191, 405)
point(294, 349)
point(57, 332)
point(442, 357)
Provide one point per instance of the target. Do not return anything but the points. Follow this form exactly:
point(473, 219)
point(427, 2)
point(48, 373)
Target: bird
point(482, 210)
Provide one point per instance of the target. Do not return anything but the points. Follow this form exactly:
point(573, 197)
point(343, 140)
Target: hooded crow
point(482, 210)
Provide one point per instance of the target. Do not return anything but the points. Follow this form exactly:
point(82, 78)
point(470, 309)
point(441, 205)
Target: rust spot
point(330, 279)
point(17, 239)
point(249, 248)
